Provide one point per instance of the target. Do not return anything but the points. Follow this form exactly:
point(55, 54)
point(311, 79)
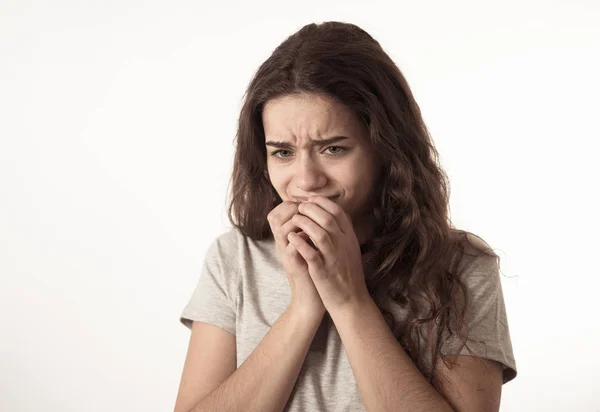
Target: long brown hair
point(417, 251)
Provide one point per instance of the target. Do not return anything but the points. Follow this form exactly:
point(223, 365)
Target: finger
point(319, 236)
point(320, 216)
point(341, 218)
point(303, 234)
point(282, 213)
point(307, 238)
point(295, 229)
point(294, 258)
point(287, 227)
point(311, 256)
point(277, 218)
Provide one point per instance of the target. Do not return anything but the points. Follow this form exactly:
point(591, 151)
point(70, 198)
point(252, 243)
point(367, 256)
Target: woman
point(343, 281)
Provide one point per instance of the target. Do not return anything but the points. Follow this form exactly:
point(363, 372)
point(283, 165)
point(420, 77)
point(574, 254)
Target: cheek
point(278, 180)
point(355, 177)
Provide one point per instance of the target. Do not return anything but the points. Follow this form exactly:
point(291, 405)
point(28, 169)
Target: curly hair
point(417, 251)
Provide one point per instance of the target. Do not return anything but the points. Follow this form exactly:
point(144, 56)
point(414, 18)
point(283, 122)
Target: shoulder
point(479, 268)
point(235, 246)
point(478, 255)
point(228, 240)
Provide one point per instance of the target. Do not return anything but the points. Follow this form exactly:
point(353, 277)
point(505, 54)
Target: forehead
point(309, 116)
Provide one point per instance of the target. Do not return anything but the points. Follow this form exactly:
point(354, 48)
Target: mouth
point(305, 199)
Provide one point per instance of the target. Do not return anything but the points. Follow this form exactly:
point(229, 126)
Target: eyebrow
point(313, 143)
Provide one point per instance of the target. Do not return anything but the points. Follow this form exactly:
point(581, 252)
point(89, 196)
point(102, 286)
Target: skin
point(347, 169)
point(307, 176)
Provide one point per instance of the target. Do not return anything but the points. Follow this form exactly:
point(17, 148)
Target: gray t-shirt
point(243, 289)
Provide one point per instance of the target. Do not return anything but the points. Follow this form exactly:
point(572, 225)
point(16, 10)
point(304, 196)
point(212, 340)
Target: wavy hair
point(417, 253)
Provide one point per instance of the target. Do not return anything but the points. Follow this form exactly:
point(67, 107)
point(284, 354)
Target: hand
point(305, 297)
point(336, 267)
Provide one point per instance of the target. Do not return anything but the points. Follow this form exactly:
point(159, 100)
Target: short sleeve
point(488, 330)
point(214, 298)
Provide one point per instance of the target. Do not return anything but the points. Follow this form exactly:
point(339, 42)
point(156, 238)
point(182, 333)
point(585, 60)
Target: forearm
point(264, 381)
point(387, 378)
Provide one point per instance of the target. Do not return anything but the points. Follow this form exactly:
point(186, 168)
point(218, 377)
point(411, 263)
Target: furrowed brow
point(331, 140)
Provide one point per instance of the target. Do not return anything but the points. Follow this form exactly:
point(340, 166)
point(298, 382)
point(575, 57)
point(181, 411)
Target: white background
point(117, 121)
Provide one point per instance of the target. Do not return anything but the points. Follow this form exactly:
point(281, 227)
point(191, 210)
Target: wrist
point(354, 307)
point(304, 314)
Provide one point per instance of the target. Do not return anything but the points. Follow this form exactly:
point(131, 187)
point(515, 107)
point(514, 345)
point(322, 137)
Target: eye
point(336, 152)
point(277, 152)
point(285, 154)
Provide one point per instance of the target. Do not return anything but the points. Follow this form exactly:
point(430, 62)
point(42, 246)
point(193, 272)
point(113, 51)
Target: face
point(318, 146)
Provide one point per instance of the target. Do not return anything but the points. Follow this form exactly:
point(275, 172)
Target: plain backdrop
point(117, 126)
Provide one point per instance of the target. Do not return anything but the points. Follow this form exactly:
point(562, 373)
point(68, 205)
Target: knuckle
point(321, 237)
point(274, 219)
point(339, 213)
point(329, 222)
point(312, 256)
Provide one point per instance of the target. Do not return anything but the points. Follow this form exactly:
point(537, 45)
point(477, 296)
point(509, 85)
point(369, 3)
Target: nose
point(309, 176)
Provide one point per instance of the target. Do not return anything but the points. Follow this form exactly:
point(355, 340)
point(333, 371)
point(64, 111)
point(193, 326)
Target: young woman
point(343, 285)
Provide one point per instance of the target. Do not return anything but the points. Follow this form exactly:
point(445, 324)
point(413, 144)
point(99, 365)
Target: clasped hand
point(335, 266)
